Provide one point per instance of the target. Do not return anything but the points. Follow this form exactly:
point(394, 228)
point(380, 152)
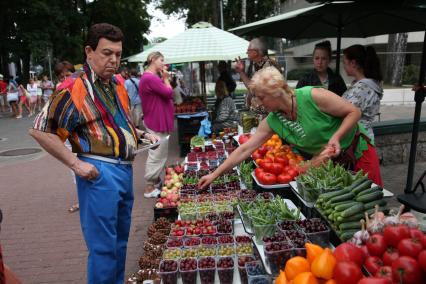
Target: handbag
point(347, 157)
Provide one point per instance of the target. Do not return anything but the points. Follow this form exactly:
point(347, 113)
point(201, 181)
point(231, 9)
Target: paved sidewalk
point(42, 242)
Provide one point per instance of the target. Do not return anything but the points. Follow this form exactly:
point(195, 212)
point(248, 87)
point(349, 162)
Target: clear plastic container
point(260, 279)
point(276, 260)
point(226, 275)
point(189, 252)
point(287, 225)
point(192, 242)
point(207, 274)
point(242, 268)
point(174, 242)
point(225, 250)
point(265, 196)
point(172, 254)
point(207, 250)
point(225, 239)
point(320, 238)
point(263, 230)
point(244, 249)
point(255, 268)
point(208, 240)
point(188, 276)
point(169, 277)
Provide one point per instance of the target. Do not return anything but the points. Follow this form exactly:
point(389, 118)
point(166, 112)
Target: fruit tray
point(278, 185)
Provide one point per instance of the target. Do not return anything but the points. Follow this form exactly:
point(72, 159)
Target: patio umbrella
point(353, 19)
point(202, 42)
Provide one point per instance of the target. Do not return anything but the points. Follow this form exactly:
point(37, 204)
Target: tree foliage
point(32, 28)
point(208, 11)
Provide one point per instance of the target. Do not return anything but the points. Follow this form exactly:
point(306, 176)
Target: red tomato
point(421, 259)
point(267, 178)
point(423, 240)
point(282, 160)
point(372, 264)
point(384, 272)
point(244, 138)
point(390, 255)
point(364, 250)
point(410, 247)
point(293, 173)
point(262, 150)
point(376, 245)
point(375, 280)
point(349, 252)
point(416, 233)
point(284, 179)
point(276, 168)
point(257, 172)
point(256, 155)
point(347, 272)
point(394, 233)
point(406, 270)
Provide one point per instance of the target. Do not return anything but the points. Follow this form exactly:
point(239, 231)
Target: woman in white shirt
point(32, 89)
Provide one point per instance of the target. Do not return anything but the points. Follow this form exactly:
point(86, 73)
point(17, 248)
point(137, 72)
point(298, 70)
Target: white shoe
point(153, 194)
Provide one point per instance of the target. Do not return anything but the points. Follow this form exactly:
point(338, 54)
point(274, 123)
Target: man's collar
point(95, 76)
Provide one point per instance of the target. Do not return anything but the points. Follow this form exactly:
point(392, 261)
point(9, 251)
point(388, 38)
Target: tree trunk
point(278, 42)
point(395, 58)
point(243, 11)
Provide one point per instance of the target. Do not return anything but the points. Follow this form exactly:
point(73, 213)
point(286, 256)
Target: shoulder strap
point(137, 88)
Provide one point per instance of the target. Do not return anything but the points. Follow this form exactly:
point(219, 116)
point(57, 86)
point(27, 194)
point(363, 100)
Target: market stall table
point(188, 126)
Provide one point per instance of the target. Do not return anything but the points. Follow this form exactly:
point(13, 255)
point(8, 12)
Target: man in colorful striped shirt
point(92, 112)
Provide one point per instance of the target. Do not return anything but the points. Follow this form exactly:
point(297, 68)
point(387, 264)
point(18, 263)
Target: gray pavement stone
point(42, 242)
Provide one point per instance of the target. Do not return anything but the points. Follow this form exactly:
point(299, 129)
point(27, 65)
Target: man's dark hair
point(103, 30)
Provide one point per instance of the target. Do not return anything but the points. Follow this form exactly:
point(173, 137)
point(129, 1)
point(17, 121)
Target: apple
point(164, 188)
point(159, 205)
point(178, 184)
point(169, 184)
point(163, 194)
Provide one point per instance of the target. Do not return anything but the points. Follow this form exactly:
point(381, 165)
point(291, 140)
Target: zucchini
point(369, 205)
point(370, 197)
point(364, 185)
point(372, 210)
point(353, 210)
point(344, 197)
point(357, 182)
point(344, 206)
point(355, 217)
point(350, 225)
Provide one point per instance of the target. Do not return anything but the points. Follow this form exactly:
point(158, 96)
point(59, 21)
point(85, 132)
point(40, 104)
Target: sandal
point(74, 208)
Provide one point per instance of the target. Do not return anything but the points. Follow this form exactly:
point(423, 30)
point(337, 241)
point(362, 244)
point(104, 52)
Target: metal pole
point(221, 13)
point(419, 97)
point(50, 64)
point(339, 44)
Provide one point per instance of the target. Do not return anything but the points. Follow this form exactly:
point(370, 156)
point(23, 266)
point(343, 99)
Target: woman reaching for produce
point(310, 119)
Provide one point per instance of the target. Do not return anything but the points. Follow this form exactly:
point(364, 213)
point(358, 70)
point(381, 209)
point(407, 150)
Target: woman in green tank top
point(310, 119)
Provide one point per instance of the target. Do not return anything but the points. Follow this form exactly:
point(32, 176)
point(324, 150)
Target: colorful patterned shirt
point(92, 115)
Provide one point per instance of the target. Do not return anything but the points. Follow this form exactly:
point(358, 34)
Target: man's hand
point(152, 137)
point(239, 65)
point(85, 170)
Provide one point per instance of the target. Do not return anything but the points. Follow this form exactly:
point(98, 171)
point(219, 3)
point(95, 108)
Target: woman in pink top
point(157, 106)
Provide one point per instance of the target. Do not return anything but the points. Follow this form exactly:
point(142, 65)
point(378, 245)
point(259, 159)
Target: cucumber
point(339, 198)
point(355, 217)
point(353, 210)
point(370, 190)
point(366, 184)
point(369, 205)
point(350, 225)
point(328, 195)
point(357, 182)
point(370, 197)
point(347, 235)
point(344, 206)
point(372, 210)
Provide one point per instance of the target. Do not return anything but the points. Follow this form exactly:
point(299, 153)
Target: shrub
point(410, 75)
point(296, 74)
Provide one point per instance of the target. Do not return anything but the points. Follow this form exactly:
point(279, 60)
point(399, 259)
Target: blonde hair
point(269, 81)
point(220, 89)
point(152, 57)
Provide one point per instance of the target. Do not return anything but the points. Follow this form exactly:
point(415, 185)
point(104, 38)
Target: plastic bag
point(205, 128)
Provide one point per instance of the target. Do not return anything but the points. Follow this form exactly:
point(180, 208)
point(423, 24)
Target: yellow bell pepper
point(323, 265)
point(312, 251)
point(295, 266)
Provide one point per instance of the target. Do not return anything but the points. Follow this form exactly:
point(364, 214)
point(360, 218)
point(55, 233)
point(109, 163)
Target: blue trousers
point(105, 214)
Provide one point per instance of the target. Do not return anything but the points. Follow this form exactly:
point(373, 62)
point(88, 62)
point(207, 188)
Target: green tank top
point(313, 128)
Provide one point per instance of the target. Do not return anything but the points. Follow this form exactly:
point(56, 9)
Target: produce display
point(277, 163)
point(195, 105)
point(169, 196)
point(344, 208)
point(325, 178)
